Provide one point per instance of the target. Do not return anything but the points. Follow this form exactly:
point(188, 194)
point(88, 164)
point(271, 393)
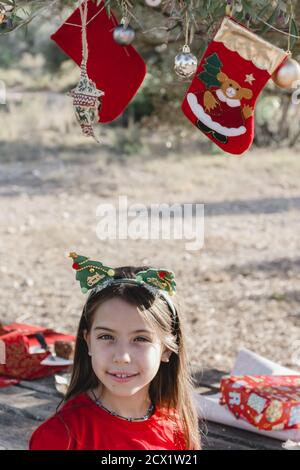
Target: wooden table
point(24, 406)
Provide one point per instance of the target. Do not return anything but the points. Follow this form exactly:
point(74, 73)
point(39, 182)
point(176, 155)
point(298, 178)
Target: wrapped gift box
point(21, 352)
point(6, 382)
point(267, 402)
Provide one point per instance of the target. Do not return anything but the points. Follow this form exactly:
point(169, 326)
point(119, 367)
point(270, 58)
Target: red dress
point(82, 425)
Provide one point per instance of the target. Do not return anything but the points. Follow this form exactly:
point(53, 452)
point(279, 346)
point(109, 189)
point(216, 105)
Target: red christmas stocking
point(116, 70)
point(221, 98)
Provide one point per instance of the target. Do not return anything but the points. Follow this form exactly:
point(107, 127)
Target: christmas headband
point(93, 275)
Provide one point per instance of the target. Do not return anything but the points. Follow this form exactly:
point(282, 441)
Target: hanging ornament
point(86, 96)
point(221, 98)
point(185, 63)
point(86, 102)
point(238, 6)
point(229, 9)
point(287, 74)
point(124, 34)
point(5, 13)
point(282, 19)
point(153, 3)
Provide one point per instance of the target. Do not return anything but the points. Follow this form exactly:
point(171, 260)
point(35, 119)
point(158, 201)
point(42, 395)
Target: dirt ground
point(240, 289)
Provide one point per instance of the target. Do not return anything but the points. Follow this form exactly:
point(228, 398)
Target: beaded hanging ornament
point(86, 96)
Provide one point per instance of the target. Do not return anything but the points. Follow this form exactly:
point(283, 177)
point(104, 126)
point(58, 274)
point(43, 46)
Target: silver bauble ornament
point(124, 34)
point(287, 74)
point(153, 3)
point(185, 63)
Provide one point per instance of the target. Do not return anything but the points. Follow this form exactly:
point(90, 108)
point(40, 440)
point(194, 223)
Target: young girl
point(130, 387)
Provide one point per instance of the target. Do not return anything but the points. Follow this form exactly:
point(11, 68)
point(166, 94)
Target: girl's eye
point(109, 337)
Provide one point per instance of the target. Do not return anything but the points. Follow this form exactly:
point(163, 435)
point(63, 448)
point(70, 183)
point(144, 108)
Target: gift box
point(22, 351)
point(268, 402)
point(6, 382)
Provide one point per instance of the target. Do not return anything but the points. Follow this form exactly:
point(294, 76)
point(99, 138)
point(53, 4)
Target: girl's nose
point(121, 356)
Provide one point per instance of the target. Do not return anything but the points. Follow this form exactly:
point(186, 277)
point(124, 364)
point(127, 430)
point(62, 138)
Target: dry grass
point(241, 289)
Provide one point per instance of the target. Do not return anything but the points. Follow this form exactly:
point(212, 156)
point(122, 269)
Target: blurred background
point(242, 287)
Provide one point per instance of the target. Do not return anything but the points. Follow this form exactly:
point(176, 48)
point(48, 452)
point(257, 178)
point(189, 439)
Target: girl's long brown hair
point(171, 388)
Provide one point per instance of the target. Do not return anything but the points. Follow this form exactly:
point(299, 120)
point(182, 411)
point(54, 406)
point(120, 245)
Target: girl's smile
point(122, 377)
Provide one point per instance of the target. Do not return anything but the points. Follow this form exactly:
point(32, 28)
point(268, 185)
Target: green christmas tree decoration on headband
point(161, 279)
point(92, 274)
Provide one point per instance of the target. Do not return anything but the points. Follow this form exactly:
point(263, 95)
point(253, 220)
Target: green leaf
point(107, 7)
point(283, 6)
point(295, 32)
point(262, 12)
point(270, 20)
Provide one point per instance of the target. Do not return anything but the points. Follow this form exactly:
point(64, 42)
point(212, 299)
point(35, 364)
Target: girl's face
point(121, 343)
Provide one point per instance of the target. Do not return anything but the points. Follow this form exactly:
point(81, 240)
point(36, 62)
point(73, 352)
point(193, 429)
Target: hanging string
point(83, 7)
point(90, 20)
point(187, 20)
point(278, 30)
point(193, 21)
point(124, 8)
point(290, 25)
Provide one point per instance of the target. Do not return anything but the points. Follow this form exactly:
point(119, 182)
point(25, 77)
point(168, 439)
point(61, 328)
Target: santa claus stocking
point(221, 98)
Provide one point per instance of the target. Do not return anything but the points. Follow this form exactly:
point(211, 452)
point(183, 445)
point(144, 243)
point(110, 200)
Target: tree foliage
point(167, 22)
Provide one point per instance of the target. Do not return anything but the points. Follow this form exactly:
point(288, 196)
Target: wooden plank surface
point(15, 430)
point(27, 402)
point(24, 406)
point(237, 439)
